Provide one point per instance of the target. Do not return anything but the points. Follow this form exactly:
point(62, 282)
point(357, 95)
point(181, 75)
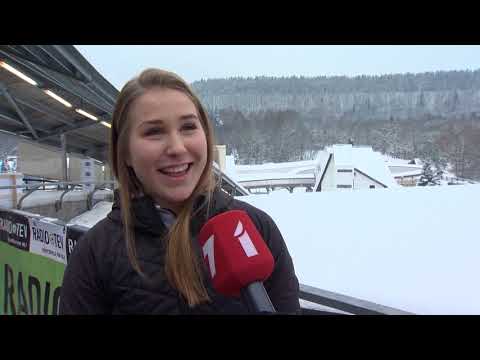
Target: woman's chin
point(173, 201)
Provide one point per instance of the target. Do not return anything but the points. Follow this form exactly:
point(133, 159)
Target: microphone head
point(234, 252)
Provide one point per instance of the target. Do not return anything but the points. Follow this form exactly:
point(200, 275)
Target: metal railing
point(67, 186)
point(228, 184)
point(97, 187)
point(33, 180)
point(344, 303)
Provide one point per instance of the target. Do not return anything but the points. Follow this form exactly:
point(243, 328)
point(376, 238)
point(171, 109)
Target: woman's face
point(167, 145)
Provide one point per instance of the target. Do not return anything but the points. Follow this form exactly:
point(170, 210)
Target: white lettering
point(245, 241)
point(209, 253)
point(11, 228)
point(70, 245)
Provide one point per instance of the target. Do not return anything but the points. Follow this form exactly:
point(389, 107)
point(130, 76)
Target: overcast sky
point(118, 63)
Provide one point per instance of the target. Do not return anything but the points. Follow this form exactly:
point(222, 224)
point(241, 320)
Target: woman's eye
point(153, 131)
point(190, 126)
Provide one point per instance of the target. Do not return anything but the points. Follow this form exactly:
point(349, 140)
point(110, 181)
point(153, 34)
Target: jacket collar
point(147, 218)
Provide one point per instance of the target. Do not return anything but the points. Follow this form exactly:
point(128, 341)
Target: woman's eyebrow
point(162, 122)
point(152, 122)
point(157, 122)
point(188, 117)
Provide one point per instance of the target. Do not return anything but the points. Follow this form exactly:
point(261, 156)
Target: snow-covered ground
point(414, 249)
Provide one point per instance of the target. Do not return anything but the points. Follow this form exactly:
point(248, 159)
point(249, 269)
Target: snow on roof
point(398, 167)
point(342, 155)
point(414, 249)
point(362, 158)
point(275, 167)
point(273, 176)
point(372, 163)
point(322, 158)
point(396, 161)
point(286, 170)
point(408, 173)
point(397, 164)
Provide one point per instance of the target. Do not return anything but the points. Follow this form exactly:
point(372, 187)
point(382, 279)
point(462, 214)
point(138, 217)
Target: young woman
point(143, 258)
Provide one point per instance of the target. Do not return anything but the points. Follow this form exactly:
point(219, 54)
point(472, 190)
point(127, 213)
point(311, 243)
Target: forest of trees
point(276, 136)
point(446, 132)
point(430, 81)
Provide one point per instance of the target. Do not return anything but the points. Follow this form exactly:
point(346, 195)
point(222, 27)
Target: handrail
point(35, 187)
point(90, 195)
point(28, 179)
point(60, 183)
point(225, 179)
point(346, 303)
point(58, 203)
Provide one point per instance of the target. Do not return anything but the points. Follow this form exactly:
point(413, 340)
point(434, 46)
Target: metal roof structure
point(47, 91)
point(50, 94)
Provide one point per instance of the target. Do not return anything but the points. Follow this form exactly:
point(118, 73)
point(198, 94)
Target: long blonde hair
point(182, 266)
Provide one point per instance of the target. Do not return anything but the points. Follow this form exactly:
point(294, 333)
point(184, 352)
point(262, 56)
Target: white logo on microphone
point(208, 252)
point(245, 240)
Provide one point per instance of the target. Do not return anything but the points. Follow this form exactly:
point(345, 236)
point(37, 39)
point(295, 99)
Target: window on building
point(372, 186)
point(344, 186)
point(344, 170)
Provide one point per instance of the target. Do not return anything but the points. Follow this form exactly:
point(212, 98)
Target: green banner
point(30, 283)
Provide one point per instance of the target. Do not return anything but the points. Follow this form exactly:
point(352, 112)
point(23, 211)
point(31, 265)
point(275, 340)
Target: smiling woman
point(145, 257)
point(168, 146)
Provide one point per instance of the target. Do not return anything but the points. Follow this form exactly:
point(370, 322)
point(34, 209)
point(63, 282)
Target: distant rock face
point(379, 105)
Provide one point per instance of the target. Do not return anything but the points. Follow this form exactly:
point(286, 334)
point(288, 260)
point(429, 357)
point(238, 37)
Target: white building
point(336, 167)
point(345, 167)
point(405, 172)
point(288, 175)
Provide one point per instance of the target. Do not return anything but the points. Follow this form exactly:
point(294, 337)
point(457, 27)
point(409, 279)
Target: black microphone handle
point(257, 298)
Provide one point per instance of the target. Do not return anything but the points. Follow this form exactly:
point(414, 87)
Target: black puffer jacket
point(100, 280)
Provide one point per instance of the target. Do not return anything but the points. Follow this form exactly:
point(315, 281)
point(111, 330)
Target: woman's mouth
point(176, 170)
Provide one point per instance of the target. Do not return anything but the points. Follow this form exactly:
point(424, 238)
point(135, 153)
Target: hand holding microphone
point(237, 258)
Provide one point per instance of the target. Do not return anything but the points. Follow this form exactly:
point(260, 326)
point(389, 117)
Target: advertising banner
point(33, 256)
point(15, 230)
point(48, 239)
point(29, 283)
point(74, 233)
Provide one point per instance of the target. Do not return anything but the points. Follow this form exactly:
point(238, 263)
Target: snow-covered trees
point(429, 176)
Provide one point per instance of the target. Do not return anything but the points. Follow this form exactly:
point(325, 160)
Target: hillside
point(433, 116)
point(402, 96)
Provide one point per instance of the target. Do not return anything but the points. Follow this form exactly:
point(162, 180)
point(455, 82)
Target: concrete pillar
point(63, 140)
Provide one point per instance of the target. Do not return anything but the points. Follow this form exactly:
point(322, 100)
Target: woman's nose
point(175, 145)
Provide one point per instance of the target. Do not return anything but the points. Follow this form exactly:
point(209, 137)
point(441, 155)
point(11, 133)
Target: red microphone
point(238, 258)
